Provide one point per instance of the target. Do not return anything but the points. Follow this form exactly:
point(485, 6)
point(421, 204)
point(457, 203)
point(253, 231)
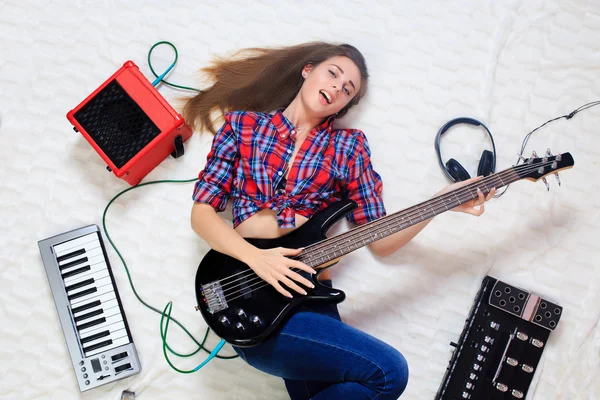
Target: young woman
point(279, 159)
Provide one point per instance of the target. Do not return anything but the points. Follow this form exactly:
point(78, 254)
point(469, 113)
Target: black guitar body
point(241, 307)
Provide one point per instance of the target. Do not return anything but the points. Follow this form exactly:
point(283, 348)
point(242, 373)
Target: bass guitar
point(243, 309)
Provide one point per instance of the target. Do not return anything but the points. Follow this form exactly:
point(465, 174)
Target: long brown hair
point(263, 79)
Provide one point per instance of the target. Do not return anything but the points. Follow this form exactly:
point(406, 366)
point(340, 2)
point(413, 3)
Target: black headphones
point(453, 170)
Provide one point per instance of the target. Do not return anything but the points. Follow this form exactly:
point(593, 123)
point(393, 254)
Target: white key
point(109, 321)
point(109, 308)
point(95, 329)
point(97, 284)
point(96, 276)
point(113, 335)
point(101, 266)
point(89, 253)
point(72, 245)
point(116, 343)
point(91, 261)
point(103, 299)
point(88, 297)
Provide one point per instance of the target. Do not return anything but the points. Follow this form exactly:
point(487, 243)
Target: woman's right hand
point(274, 267)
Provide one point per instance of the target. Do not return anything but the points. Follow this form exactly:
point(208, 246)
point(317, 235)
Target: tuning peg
point(548, 153)
point(522, 158)
point(534, 154)
point(547, 184)
point(557, 178)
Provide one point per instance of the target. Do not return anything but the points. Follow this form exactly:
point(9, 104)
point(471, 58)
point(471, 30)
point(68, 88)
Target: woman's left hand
point(469, 206)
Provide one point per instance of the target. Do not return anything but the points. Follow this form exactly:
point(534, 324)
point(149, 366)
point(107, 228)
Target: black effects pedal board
point(500, 347)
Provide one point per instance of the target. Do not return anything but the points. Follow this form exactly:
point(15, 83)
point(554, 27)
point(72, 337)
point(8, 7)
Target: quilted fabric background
point(511, 64)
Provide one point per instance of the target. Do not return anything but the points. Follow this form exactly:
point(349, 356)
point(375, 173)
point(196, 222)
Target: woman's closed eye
point(345, 89)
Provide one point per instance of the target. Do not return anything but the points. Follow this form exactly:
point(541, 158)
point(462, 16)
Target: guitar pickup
point(527, 306)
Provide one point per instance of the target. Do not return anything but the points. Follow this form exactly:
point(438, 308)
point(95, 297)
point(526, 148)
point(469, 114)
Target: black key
point(92, 323)
point(70, 255)
point(122, 368)
point(97, 346)
point(86, 306)
point(95, 336)
point(89, 315)
point(73, 263)
point(76, 271)
point(79, 284)
point(82, 293)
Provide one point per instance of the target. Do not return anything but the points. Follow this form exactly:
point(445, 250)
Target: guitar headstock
point(535, 168)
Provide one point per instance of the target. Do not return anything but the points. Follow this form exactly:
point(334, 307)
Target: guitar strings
point(245, 292)
point(310, 250)
point(461, 191)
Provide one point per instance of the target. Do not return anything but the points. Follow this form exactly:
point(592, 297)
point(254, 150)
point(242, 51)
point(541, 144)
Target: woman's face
point(330, 86)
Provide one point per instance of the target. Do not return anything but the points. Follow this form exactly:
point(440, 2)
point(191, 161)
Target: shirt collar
point(285, 127)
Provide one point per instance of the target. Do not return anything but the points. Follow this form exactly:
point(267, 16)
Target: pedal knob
point(240, 327)
point(241, 313)
point(224, 321)
point(256, 321)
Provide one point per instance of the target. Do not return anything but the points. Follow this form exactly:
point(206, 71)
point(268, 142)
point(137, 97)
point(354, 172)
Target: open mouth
point(325, 96)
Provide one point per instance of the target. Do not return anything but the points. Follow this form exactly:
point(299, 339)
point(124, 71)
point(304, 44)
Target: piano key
point(112, 335)
point(91, 314)
point(101, 266)
point(100, 345)
point(69, 255)
point(94, 322)
point(115, 343)
point(91, 261)
point(96, 273)
point(106, 312)
point(82, 293)
point(78, 285)
point(96, 284)
point(96, 336)
point(91, 332)
point(75, 244)
point(97, 302)
point(85, 306)
point(104, 325)
point(87, 252)
point(107, 308)
point(72, 264)
point(92, 295)
point(77, 271)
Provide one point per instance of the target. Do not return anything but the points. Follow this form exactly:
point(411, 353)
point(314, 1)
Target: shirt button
point(289, 151)
point(282, 135)
point(293, 132)
point(279, 173)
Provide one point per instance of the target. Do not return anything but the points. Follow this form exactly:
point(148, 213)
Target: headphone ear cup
point(457, 171)
point(486, 163)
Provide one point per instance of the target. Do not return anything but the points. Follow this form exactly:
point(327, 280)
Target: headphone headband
point(450, 124)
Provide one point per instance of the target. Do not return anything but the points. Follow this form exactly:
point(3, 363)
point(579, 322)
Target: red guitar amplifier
point(130, 124)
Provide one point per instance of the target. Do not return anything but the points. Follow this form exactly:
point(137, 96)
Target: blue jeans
point(320, 357)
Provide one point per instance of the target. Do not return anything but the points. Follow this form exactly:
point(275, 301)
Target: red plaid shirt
point(249, 157)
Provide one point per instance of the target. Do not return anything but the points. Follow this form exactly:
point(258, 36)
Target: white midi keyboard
point(89, 307)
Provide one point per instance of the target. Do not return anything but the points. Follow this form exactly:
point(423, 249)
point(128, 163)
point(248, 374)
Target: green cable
point(160, 78)
point(165, 344)
point(167, 310)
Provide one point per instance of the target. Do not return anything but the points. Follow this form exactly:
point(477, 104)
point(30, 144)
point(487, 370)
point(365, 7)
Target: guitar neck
point(323, 253)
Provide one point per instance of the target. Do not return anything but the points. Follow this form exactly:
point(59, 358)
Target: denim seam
point(350, 351)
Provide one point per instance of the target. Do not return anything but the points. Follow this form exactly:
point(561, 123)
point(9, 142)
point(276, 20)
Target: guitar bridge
point(214, 297)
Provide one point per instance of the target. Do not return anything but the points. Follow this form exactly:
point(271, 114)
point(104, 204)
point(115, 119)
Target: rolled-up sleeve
point(364, 185)
point(214, 181)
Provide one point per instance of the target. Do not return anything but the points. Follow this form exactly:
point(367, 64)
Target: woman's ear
point(307, 68)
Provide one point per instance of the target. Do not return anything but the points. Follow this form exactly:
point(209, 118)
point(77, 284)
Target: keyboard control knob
point(241, 313)
point(224, 321)
point(240, 327)
point(255, 320)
